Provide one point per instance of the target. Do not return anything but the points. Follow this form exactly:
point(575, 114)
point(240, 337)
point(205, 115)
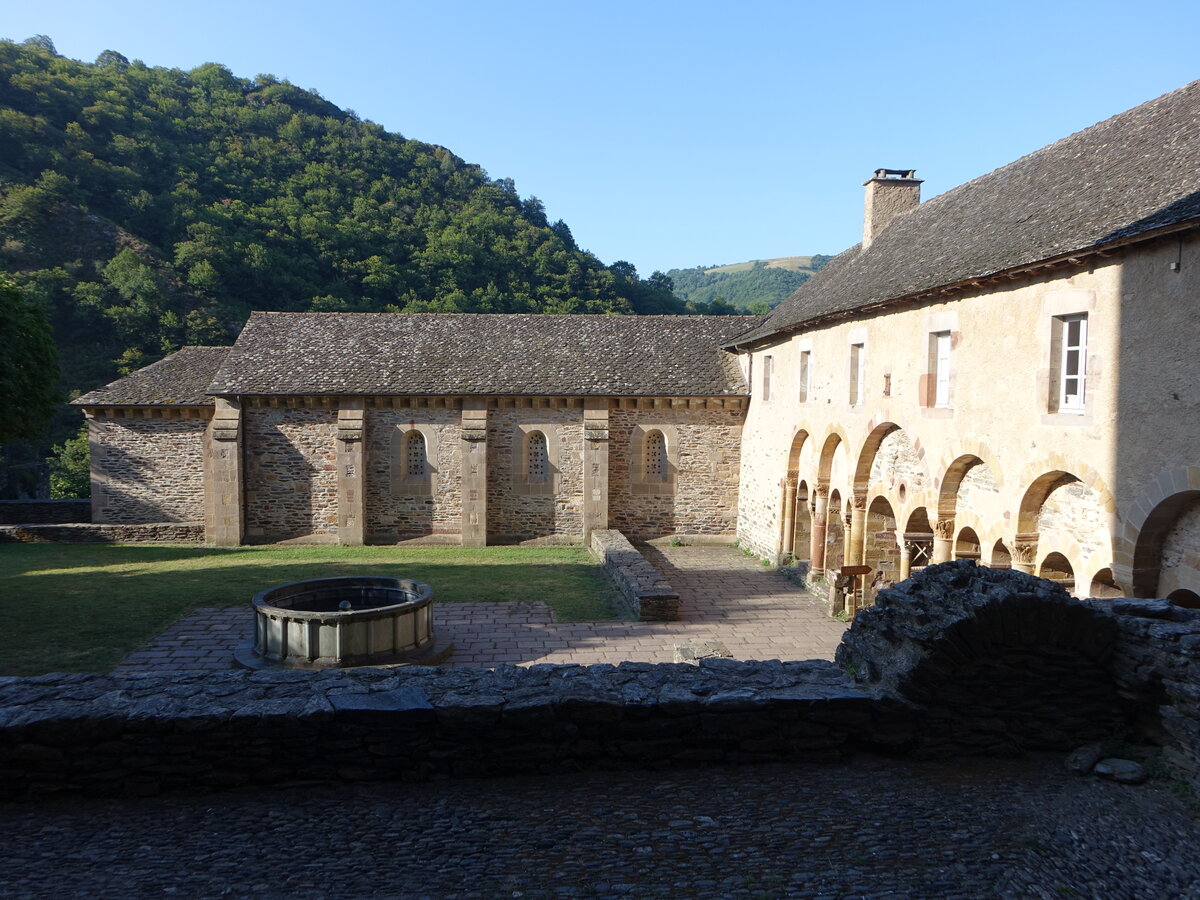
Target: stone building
point(1005, 373)
point(381, 427)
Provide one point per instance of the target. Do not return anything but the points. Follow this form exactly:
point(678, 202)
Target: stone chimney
point(890, 192)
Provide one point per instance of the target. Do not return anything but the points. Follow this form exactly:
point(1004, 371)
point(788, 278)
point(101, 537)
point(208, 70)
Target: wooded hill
point(754, 286)
point(147, 208)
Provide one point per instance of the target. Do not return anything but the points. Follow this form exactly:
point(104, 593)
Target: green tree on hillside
point(29, 374)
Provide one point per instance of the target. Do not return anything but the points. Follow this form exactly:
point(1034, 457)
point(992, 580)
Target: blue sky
point(678, 134)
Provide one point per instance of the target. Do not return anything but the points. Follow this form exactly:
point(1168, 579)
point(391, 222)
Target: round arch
point(1147, 553)
point(866, 457)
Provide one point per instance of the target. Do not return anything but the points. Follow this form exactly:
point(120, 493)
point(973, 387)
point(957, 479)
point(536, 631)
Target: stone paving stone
point(724, 595)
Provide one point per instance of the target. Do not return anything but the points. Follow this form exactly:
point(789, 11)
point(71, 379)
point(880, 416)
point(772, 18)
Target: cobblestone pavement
point(869, 828)
point(725, 597)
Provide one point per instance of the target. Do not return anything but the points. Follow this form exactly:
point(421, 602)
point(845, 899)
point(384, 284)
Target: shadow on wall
point(1157, 472)
point(995, 660)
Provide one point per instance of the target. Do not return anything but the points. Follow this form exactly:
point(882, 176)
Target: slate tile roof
point(462, 354)
point(180, 379)
point(1124, 177)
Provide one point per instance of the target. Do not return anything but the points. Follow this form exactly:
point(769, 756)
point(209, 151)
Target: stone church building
point(1007, 373)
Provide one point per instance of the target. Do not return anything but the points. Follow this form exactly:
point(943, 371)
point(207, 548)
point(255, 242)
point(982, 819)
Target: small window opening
point(415, 461)
point(539, 457)
point(805, 364)
point(656, 456)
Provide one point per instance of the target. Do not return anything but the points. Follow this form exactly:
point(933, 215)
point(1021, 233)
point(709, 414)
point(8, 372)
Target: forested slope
point(147, 208)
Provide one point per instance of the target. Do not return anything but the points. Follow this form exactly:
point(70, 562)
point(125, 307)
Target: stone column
point(816, 547)
point(905, 559)
point(351, 471)
point(788, 537)
point(595, 465)
point(943, 540)
point(856, 542)
point(224, 519)
point(474, 473)
point(1024, 552)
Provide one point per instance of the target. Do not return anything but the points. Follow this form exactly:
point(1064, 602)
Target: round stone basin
point(342, 622)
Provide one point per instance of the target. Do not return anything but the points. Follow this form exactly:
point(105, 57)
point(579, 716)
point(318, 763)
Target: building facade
point(1005, 373)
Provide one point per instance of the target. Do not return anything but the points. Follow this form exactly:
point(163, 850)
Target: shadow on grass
point(59, 618)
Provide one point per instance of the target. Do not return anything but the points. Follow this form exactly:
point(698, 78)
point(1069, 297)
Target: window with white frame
point(1072, 369)
point(803, 375)
point(939, 369)
point(858, 366)
point(768, 364)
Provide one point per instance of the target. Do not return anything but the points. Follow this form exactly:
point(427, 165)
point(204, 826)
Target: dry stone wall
point(704, 495)
point(44, 512)
point(147, 469)
point(393, 514)
point(291, 472)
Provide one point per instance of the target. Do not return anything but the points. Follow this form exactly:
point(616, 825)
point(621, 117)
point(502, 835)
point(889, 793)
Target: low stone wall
point(44, 512)
point(152, 533)
point(141, 735)
point(649, 597)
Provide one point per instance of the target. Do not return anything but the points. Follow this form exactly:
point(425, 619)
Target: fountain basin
point(343, 622)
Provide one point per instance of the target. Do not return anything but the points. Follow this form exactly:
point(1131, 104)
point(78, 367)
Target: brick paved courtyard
point(725, 597)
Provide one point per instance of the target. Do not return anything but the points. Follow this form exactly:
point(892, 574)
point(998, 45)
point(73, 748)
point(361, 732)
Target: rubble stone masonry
point(517, 508)
point(702, 495)
point(393, 510)
point(147, 467)
point(291, 472)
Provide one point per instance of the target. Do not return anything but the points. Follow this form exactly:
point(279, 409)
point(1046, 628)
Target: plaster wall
point(1001, 406)
point(147, 468)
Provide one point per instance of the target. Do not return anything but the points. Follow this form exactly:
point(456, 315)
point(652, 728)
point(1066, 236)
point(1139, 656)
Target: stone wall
point(391, 511)
point(703, 496)
point(110, 734)
point(516, 509)
point(647, 595)
point(147, 467)
point(44, 512)
point(149, 533)
point(291, 472)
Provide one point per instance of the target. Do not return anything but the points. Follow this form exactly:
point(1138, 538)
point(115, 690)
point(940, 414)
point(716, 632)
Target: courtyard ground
point(728, 602)
point(81, 608)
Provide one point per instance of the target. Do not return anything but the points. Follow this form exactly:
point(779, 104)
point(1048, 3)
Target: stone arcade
point(1005, 373)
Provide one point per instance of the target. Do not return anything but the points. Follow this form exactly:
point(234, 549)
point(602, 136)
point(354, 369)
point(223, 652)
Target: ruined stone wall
point(394, 512)
point(291, 472)
point(1073, 512)
point(978, 491)
point(516, 509)
point(896, 463)
point(147, 468)
point(702, 498)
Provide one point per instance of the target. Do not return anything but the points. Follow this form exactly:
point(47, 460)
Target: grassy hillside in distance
point(755, 285)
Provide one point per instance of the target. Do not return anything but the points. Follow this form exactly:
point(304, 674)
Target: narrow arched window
point(656, 456)
point(415, 460)
point(538, 457)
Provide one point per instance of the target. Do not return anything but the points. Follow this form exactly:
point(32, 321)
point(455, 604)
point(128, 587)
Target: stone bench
point(646, 593)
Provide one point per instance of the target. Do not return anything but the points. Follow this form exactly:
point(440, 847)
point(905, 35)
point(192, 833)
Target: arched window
point(415, 459)
point(538, 462)
point(656, 456)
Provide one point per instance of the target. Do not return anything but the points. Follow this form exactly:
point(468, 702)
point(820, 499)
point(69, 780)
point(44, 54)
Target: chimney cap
point(895, 175)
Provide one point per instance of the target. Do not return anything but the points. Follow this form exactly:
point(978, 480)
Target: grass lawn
point(82, 607)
